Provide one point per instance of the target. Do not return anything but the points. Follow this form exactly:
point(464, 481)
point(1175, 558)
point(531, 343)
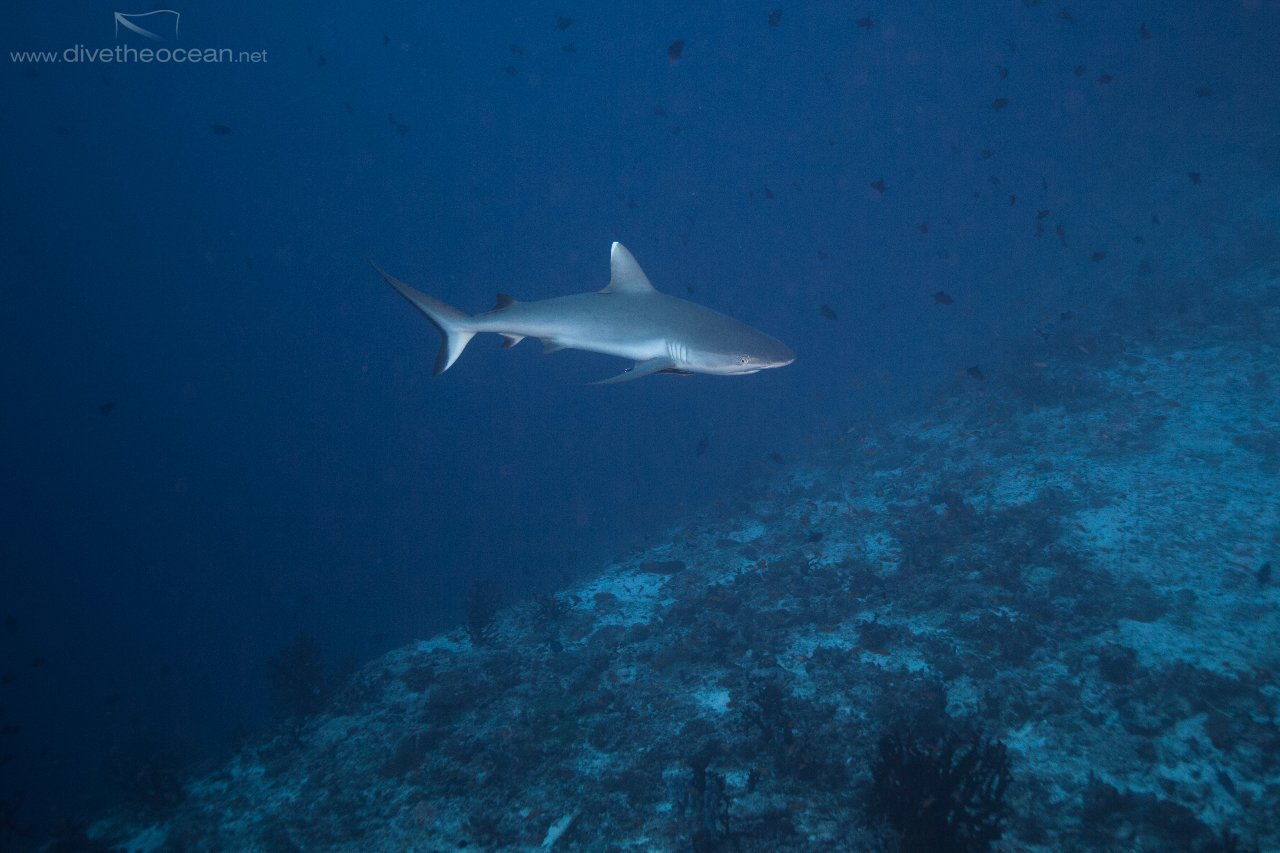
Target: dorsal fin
point(502, 302)
point(625, 275)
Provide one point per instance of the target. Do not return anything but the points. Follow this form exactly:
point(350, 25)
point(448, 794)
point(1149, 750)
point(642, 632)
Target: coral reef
point(1069, 561)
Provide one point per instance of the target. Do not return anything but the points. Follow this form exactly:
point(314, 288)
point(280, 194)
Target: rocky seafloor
point(1040, 617)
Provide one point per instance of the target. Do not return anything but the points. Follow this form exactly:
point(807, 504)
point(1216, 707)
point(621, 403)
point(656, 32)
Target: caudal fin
point(452, 323)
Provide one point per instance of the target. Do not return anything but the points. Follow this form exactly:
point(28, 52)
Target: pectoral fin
point(642, 368)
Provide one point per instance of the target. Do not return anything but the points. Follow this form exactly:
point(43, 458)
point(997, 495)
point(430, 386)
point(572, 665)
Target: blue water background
point(278, 459)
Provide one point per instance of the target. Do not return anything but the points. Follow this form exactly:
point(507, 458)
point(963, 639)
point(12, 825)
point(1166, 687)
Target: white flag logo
point(154, 26)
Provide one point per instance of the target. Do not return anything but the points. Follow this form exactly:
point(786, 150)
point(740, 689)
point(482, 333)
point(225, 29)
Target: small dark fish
point(999, 103)
point(1204, 92)
point(942, 297)
point(631, 204)
point(1099, 255)
point(777, 458)
point(660, 111)
point(220, 129)
point(1264, 573)
point(1041, 214)
point(322, 61)
point(1194, 177)
point(569, 47)
point(994, 180)
point(1061, 232)
point(985, 153)
point(1155, 219)
point(1039, 228)
point(1065, 15)
point(768, 193)
point(62, 130)
point(516, 50)
point(38, 661)
point(924, 227)
point(975, 373)
point(511, 70)
point(346, 105)
point(1044, 184)
point(1013, 200)
point(866, 23)
point(775, 17)
point(10, 730)
point(1003, 72)
point(814, 537)
point(1104, 79)
point(879, 185)
point(9, 677)
point(386, 39)
point(401, 129)
point(104, 409)
point(564, 23)
point(825, 310)
point(703, 444)
point(1081, 70)
point(10, 624)
point(1143, 32)
point(675, 50)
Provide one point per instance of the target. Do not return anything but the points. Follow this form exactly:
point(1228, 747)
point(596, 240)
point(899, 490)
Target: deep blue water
point(220, 428)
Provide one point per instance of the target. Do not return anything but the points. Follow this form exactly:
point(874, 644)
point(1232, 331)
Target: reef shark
point(628, 318)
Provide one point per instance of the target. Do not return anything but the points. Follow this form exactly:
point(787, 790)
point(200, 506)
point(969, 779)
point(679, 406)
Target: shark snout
point(777, 354)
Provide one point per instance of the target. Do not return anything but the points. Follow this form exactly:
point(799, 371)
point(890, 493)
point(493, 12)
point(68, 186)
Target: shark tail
point(454, 325)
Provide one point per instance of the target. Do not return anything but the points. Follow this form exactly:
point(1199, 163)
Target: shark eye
point(742, 359)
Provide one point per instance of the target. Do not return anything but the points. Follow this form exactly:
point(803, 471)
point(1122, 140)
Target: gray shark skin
point(628, 318)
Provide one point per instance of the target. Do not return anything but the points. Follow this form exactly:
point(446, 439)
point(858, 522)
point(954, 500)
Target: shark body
point(628, 318)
